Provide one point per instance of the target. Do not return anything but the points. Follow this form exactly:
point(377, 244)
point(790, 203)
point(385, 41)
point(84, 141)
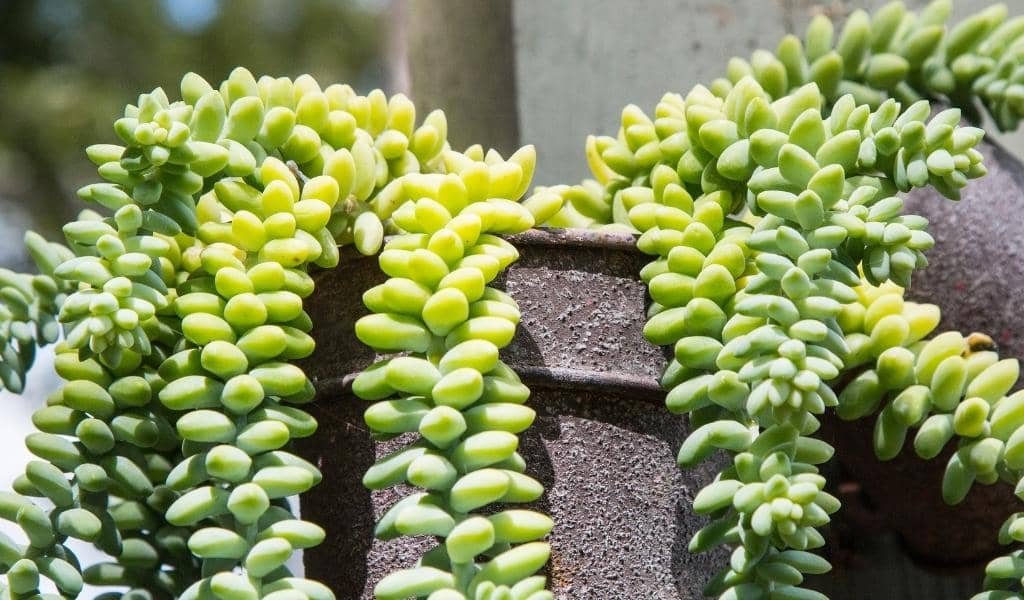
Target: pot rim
point(641, 388)
point(537, 236)
point(553, 378)
point(584, 238)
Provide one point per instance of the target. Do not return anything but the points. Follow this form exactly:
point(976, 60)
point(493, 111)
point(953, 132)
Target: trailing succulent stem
point(167, 446)
point(461, 406)
point(896, 53)
point(763, 216)
point(950, 387)
point(771, 201)
point(28, 310)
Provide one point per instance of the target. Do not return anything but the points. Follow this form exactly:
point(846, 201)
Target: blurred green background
point(68, 67)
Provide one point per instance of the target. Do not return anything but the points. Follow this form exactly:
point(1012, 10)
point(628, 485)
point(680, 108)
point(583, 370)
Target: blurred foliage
point(68, 67)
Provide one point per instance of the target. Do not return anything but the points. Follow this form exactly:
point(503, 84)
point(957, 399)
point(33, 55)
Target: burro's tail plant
point(450, 387)
point(181, 302)
point(770, 205)
point(904, 55)
point(28, 310)
point(758, 342)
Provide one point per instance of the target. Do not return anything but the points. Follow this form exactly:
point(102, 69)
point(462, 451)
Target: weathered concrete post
point(461, 53)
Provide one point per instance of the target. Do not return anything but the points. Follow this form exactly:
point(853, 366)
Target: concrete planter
point(603, 444)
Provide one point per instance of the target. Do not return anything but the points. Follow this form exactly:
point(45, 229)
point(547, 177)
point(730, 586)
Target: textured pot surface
point(904, 495)
point(603, 445)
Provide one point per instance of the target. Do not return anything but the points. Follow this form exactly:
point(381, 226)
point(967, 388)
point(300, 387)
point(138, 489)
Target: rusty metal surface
point(603, 445)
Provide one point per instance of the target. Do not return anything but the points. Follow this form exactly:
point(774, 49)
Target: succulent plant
point(167, 446)
point(759, 231)
point(28, 310)
point(896, 53)
point(769, 202)
point(450, 387)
